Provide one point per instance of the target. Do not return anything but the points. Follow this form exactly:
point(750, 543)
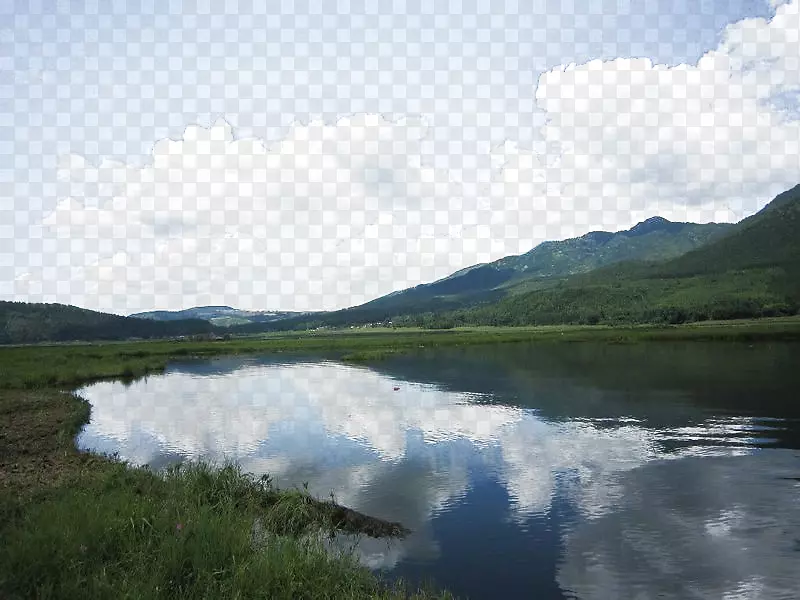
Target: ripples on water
point(518, 469)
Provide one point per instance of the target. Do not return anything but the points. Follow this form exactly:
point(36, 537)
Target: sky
point(318, 155)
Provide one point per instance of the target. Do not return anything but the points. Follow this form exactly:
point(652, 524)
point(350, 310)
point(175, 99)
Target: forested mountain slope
point(22, 323)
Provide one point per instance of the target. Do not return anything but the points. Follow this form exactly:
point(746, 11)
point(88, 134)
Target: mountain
point(223, 316)
point(653, 239)
point(769, 238)
point(201, 312)
point(22, 323)
point(752, 270)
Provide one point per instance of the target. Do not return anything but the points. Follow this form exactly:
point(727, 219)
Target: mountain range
point(657, 271)
point(223, 316)
point(651, 240)
point(752, 269)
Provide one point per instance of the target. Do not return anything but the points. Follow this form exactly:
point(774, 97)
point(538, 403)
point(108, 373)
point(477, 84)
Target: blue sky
point(353, 152)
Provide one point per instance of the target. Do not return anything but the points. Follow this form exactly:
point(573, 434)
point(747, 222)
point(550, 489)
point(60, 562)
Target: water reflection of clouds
point(717, 527)
point(233, 416)
point(393, 454)
point(535, 453)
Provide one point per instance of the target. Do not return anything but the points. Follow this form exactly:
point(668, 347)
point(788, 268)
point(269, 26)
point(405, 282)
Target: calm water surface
point(525, 471)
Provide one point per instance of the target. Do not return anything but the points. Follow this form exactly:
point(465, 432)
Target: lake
point(574, 470)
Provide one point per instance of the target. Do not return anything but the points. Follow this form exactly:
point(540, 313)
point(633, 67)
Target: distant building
point(208, 337)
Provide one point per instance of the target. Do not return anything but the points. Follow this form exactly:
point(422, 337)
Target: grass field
point(77, 525)
point(68, 365)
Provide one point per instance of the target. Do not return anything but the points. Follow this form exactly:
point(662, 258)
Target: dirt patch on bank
point(36, 440)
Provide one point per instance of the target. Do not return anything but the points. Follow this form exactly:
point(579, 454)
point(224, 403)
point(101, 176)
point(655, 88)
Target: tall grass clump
point(189, 532)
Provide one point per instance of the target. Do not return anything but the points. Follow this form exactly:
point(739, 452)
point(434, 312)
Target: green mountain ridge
point(752, 270)
point(25, 323)
point(653, 239)
point(769, 238)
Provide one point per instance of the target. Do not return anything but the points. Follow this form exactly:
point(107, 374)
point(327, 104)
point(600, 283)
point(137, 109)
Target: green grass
point(197, 532)
point(77, 525)
point(67, 366)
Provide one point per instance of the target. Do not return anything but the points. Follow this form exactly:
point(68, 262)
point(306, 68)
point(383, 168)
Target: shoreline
point(55, 499)
point(71, 365)
point(59, 507)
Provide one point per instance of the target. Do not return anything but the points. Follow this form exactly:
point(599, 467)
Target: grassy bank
point(76, 525)
point(68, 365)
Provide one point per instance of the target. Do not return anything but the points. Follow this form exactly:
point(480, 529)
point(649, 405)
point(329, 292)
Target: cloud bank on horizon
point(449, 157)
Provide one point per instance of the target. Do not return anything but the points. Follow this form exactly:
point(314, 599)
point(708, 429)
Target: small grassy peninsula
point(78, 525)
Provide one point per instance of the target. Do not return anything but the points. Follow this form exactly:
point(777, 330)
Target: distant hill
point(651, 240)
point(223, 316)
point(753, 270)
point(22, 323)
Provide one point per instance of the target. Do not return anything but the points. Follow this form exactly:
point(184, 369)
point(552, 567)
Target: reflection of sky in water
point(404, 455)
point(730, 530)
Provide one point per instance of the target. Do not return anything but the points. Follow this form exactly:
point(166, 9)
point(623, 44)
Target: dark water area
point(576, 470)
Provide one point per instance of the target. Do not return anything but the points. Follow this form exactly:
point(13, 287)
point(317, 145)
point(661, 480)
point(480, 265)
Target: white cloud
point(696, 141)
point(777, 3)
point(331, 215)
point(336, 214)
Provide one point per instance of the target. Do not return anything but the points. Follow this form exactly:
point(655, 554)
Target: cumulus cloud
point(333, 214)
point(776, 3)
point(339, 213)
point(714, 140)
